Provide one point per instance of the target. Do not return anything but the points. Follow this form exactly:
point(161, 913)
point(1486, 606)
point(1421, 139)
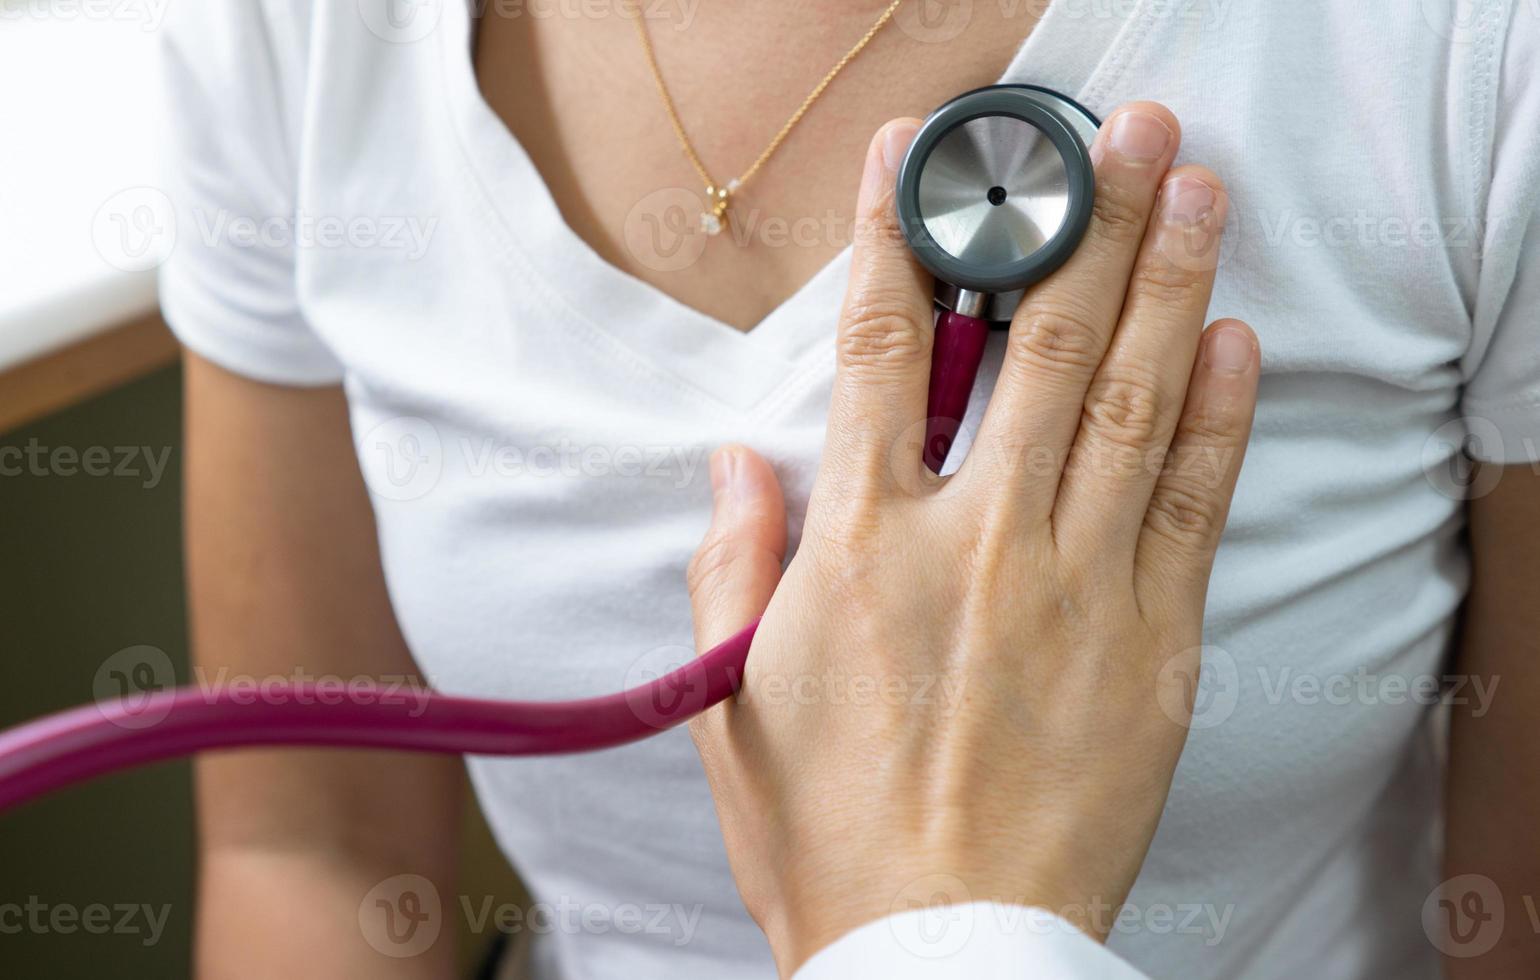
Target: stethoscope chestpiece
point(995, 193)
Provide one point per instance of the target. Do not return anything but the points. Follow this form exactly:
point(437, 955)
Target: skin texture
point(737, 71)
point(1493, 798)
point(284, 574)
point(1056, 570)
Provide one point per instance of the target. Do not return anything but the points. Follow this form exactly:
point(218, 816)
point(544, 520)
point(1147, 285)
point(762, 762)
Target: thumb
point(738, 564)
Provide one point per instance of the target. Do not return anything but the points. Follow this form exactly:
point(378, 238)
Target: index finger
point(885, 329)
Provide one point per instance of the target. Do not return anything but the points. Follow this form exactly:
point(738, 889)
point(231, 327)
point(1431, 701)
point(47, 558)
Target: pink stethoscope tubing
point(91, 740)
point(75, 745)
point(956, 353)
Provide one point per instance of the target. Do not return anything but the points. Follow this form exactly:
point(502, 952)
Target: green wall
point(90, 565)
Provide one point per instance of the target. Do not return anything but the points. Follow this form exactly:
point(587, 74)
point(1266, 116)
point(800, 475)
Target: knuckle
point(1169, 283)
point(1055, 335)
point(1182, 513)
point(1208, 427)
point(1118, 212)
point(879, 222)
point(880, 330)
point(1125, 410)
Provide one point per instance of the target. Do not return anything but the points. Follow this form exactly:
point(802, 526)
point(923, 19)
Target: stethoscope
point(994, 194)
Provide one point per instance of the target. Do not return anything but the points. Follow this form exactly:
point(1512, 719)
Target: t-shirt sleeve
point(1502, 391)
point(232, 82)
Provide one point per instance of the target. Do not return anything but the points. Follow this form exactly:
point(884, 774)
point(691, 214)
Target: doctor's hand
point(974, 686)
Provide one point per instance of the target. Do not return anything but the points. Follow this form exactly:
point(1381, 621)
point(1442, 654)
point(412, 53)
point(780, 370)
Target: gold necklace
point(719, 197)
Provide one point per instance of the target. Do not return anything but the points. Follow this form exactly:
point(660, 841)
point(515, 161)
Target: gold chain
point(720, 196)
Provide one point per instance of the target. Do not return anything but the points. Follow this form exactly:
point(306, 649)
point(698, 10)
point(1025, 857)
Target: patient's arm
point(284, 574)
point(1494, 768)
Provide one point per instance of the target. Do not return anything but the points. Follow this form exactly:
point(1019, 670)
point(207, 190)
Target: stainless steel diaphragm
point(995, 193)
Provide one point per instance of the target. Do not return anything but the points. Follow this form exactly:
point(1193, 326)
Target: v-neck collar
point(1072, 48)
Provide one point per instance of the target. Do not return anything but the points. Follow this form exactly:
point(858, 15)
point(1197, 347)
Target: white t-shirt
point(535, 426)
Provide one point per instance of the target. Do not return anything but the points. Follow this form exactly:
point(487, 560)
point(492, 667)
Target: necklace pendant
point(719, 199)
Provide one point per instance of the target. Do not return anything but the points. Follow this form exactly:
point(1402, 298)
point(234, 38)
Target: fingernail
point(1139, 137)
point(726, 476)
point(1187, 201)
point(1229, 350)
point(723, 470)
point(884, 163)
point(895, 143)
